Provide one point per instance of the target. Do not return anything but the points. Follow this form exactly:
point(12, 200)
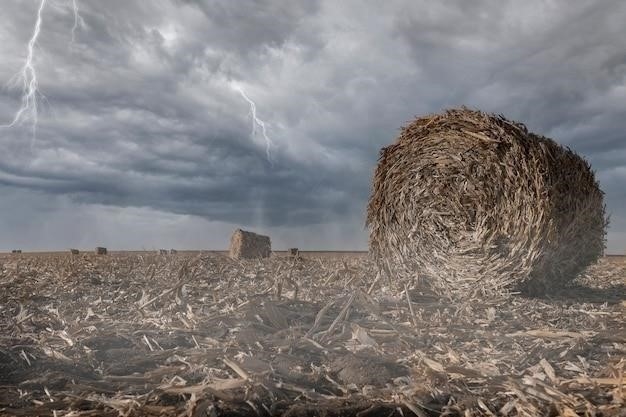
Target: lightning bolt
point(77, 19)
point(256, 121)
point(27, 77)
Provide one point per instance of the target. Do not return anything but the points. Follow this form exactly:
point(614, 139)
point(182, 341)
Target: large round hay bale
point(473, 202)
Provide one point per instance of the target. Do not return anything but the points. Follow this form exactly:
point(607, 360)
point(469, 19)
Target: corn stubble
point(202, 334)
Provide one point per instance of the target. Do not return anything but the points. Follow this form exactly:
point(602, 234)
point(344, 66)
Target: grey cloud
point(142, 117)
point(247, 25)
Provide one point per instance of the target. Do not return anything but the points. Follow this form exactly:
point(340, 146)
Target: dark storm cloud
point(248, 26)
point(141, 112)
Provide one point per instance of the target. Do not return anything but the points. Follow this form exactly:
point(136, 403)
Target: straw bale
point(101, 250)
point(472, 202)
point(246, 245)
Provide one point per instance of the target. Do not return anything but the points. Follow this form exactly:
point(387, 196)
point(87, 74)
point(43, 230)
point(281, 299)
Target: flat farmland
point(281, 253)
point(196, 333)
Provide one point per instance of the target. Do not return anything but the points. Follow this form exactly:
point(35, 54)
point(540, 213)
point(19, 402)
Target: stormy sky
point(144, 141)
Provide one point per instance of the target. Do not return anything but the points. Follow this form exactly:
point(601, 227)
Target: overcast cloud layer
point(144, 140)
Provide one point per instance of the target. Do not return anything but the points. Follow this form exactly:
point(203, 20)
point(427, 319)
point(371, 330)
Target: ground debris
point(205, 335)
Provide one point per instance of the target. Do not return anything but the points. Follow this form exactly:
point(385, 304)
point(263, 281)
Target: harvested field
point(202, 334)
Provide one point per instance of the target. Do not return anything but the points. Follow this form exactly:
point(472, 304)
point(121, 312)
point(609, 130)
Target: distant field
point(616, 258)
point(308, 254)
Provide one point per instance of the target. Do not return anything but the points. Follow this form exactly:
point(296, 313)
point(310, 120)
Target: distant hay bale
point(74, 251)
point(101, 251)
point(473, 202)
point(247, 245)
